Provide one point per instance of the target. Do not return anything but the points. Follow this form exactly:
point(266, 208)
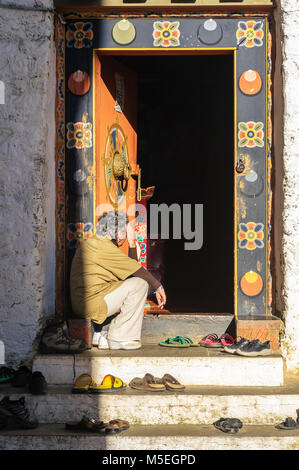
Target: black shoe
point(6, 374)
point(233, 347)
point(16, 411)
point(38, 384)
point(244, 344)
point(255, 348)
point(21, 377)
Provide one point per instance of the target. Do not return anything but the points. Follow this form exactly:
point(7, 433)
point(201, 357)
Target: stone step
point(168, 437)
point(191, 366)
point(195, 405)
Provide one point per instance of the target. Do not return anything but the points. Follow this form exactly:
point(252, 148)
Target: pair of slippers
point(209, 341)
point(153, 384)
point(228, 425)
point(85, 384)
point(91, 425)
point(178, 342)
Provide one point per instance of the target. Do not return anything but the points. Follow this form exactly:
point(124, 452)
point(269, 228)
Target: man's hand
point(131, 234)
point(161, 297)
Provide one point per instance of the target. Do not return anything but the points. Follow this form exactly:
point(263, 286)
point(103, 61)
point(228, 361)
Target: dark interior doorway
point(186, 150)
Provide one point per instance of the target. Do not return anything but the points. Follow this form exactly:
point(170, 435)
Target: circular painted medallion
point(251, 184)
point(79, 176)
point(116, 143)
point(124, 32)
point(79, 83)
point(251, 284)
point(77, 183)
point(210, 32)
point(250, 82)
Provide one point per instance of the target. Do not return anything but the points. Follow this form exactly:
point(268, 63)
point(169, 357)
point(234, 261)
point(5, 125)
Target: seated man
point(104, 280)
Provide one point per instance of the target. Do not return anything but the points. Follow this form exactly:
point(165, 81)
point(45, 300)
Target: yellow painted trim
point(165, 49)
point(235, 191)
point(159, 51)
point(266, 169)
point(160, 3)
point(94, 140)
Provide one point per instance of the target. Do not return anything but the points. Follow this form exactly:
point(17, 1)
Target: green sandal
point(188, 340)
point(177, 342)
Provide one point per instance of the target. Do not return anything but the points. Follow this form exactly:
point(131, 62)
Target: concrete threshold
point(159, 326)
point(191, 366)
point(166, 437)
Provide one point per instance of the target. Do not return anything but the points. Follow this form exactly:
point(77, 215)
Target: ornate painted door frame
point(247, 37)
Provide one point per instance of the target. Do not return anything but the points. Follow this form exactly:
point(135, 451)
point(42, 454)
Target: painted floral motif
point(60, 47)
point(251, 134)
point(78, 233)
point(60, 214)
point(60, 170)
point(251, 235)
point(79, 176)
point(79, 35)
point(60, 129)
point(79, 135)
point(59, 156)
point(250, 33)
point(60, 87)
point(166, 34)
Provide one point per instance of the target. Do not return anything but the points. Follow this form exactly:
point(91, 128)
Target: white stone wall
point(27, 177)
point(290, 216)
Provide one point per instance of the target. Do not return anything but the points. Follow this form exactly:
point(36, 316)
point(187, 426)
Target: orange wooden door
point(115, 110)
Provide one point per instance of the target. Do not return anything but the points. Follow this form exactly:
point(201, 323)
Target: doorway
point(218, 66)
point(185, 147)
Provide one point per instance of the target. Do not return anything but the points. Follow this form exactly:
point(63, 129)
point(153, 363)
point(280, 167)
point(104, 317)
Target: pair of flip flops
point(178, 342)
point(289, 423)
point(85, 384)
point(228, 425)
point(213, 341)
point(91, 425)
point(153, 384)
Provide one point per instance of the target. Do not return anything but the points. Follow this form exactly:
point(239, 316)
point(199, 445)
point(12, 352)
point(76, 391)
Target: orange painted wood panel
point(263, 330)
point(114, 132)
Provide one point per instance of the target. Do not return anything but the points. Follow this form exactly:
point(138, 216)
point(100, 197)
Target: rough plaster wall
point(27, 181)
point(290, 216)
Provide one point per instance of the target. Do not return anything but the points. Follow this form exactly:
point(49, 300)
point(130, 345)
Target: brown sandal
point(117, 425)
point(148, 383)
point(86, 424)
point(171, 383)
